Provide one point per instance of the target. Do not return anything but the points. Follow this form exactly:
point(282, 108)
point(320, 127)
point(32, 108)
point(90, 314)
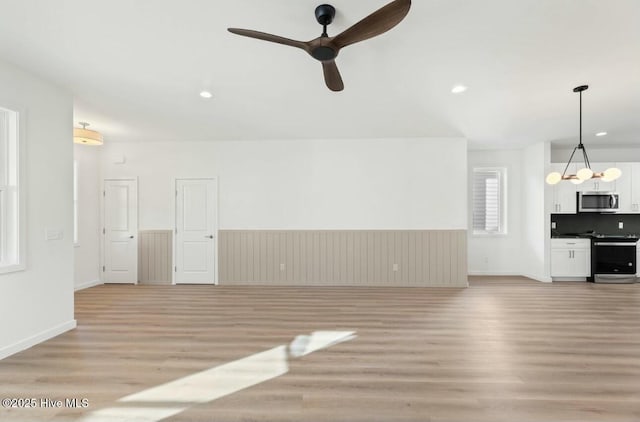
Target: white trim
point(5, 269)
point(37, 338)
point(543, 279)
point(87, 284)
point(21, 163)
point(496, 273)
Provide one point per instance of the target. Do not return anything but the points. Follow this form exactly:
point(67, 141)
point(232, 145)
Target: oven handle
point(615, 244)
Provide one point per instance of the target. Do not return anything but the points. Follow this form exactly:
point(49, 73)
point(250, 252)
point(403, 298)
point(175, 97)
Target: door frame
point(102, 223)
point(175, 226)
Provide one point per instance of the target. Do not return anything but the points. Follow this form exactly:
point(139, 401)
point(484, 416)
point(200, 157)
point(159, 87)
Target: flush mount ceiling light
point(601, 134)
point(86, 136)
point(458, 89)
point(206, 94)
point(584, 173)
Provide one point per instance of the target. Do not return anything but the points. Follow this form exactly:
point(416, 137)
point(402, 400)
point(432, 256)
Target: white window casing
point(12, 244)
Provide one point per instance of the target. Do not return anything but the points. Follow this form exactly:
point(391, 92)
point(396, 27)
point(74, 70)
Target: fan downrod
point(321, 48)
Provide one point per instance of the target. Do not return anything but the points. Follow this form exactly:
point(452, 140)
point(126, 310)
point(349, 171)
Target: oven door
point(614, 258)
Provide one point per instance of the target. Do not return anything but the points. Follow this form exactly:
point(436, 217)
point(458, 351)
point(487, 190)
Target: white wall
point(598, 154)
point(323, 184)
point(498, 255)
point(37, 303)
point(536, 200)
point(87, 251)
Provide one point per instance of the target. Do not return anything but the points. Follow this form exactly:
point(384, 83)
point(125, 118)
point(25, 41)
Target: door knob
point(131, 237)
point(209, 237)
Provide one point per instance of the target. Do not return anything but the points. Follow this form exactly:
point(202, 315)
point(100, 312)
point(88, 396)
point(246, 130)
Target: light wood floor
point(506, 350)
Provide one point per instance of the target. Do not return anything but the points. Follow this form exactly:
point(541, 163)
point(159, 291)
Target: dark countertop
point(594, 236)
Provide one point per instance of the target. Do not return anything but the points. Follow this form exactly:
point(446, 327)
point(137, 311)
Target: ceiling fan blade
point(269, 37)
point(332, 76)
point(376, 23)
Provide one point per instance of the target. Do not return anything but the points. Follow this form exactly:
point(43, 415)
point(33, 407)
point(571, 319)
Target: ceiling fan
point(326, 48)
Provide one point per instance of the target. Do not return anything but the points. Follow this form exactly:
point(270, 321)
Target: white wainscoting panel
point(344, 257)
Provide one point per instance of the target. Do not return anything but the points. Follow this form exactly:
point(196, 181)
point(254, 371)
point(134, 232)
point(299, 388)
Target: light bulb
point(584, 174)
point(611, 174)
point(576, 181)
point(553, 178)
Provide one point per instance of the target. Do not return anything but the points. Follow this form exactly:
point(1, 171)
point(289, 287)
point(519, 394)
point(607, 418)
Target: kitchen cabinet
point(628, 186)
point(564, 193)
point(635, 187)
point(570, 257)
point(624, 187)
point(597, 185)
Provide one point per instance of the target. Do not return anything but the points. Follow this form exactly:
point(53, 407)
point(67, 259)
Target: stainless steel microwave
point(598, 202)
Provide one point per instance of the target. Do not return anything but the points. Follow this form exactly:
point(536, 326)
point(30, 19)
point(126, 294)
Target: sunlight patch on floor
point(177, 396)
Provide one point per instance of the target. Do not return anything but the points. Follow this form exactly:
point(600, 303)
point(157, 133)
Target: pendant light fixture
point(86, 136)
point(584, 173)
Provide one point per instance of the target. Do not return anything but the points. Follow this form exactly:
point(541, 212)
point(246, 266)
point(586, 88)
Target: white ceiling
point(136, 68)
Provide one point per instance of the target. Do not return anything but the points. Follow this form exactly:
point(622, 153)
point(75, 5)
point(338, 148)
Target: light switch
point(553, 224)
point(620, 224)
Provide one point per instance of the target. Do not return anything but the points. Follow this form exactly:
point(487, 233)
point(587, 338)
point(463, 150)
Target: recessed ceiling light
point(601, 133)
point(458, 89)
point(206, 94)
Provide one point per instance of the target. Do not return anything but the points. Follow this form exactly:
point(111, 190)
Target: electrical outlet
point(620, 225)
point(281, 267)
point(395, 267)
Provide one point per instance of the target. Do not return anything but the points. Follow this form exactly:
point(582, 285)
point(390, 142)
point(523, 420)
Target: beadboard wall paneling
point(155, 256)
point(344, 257)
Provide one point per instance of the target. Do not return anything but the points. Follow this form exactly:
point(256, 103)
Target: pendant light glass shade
point(585, 173)
point(611, 174)
point(86, 136)
point(554, 178)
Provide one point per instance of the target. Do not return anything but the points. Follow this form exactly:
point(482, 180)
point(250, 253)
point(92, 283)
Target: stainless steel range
point(613, 258)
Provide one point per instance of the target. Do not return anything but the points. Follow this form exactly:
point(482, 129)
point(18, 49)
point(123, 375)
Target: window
point(489, 202)
point(75, 202)
point(10, 224)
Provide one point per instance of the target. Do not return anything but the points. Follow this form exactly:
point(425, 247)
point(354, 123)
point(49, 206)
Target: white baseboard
point(87, 284)
point(537, 277)
point(508, 273)
point(37, 338)
point(499, 273)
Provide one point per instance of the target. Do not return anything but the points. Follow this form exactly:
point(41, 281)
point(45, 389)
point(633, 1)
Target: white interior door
point(196, 231)
point(120, 232)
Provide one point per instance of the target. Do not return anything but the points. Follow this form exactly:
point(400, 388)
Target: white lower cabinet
point(570, 257)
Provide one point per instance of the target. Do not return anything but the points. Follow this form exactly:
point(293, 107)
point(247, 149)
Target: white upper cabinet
point(597, 185)
point(634, 177)
point(564, 193)
point(624, 186)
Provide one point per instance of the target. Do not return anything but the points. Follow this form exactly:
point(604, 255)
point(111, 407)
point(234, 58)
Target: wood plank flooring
point(506, 349)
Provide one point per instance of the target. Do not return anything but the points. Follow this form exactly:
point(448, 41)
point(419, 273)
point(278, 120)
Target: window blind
point(488, 200)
